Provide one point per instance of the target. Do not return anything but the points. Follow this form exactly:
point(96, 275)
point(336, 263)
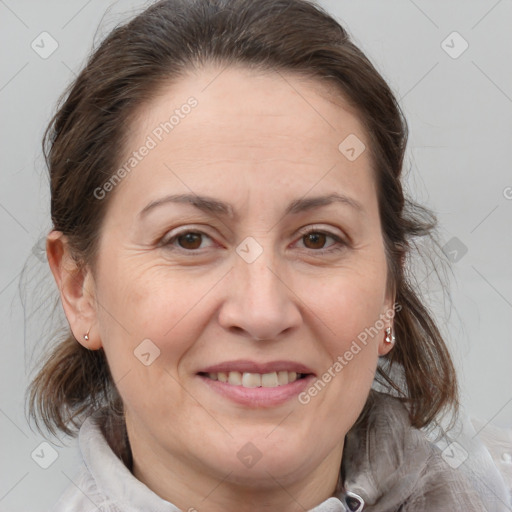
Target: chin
point(268, 470)
point(262, 458)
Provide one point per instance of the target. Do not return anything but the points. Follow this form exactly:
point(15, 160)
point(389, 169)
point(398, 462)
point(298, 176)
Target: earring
point(390, 337)
point(86, 335)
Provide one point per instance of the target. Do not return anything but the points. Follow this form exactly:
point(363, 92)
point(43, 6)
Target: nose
point(261, 303)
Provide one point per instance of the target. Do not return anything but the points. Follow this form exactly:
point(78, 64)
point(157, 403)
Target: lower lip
point(259, 397)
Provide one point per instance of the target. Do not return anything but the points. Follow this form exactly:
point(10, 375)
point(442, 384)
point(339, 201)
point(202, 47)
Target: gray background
point(460, 116)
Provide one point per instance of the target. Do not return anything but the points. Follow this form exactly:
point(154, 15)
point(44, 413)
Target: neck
point(191, 486)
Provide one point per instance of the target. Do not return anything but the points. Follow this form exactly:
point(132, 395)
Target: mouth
point(255, 380)
point(257, 385)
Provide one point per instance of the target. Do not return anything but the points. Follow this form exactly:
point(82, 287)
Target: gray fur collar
point(394, 467)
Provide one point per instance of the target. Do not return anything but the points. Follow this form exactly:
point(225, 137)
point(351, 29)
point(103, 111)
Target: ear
point(76, 287)
point(389, 310)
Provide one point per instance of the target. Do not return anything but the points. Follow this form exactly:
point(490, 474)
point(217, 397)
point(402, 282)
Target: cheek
point(138, 304)
point(147, 328)
point(350, 305)
point(349, 310)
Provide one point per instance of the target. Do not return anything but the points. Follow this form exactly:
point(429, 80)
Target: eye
point(186, 240)
point(316, 239)
point(313, 239)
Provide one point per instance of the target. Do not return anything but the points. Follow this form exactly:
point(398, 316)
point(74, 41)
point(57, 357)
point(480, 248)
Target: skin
point(257, 141)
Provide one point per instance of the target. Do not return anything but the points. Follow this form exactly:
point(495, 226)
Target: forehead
point(267, 127)
point(258, 102)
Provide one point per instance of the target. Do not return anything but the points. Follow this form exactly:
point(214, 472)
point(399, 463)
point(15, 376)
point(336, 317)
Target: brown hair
point(85, 139)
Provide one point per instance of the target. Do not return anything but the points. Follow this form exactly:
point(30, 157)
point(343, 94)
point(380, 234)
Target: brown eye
point(186, 240)
point(314, 240)
point(190, 240)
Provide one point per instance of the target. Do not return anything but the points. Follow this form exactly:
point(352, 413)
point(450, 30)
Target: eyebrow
point(211, 205)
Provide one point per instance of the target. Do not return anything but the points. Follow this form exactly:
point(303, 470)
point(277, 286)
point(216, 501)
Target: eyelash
point(338, 246)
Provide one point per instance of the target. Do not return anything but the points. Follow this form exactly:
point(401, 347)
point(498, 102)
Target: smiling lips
point(245, 378)
point(256, 380)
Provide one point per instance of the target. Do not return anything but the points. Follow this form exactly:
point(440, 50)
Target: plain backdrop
point(450, 63)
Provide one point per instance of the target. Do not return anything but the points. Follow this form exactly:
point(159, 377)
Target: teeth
point(255, 380)
point(251, 380)
point(269, 380)
point(235, 378)
point(282, 378)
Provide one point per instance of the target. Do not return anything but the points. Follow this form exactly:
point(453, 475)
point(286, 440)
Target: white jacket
point(105, 484)
point(387, 466)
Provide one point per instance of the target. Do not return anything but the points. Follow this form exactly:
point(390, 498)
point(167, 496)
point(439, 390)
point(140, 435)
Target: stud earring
point(390, 337)
point(86, 335)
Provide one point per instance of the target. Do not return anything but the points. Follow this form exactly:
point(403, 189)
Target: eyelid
point(173, 234)
point(318, 228)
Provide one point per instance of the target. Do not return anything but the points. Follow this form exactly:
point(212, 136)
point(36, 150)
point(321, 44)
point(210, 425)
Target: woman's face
point(223, 283)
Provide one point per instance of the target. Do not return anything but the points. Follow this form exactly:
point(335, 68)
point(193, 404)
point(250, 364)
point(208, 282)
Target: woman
point(230, 240)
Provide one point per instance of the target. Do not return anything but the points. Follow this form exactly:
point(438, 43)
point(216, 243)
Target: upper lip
point(243, 365)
